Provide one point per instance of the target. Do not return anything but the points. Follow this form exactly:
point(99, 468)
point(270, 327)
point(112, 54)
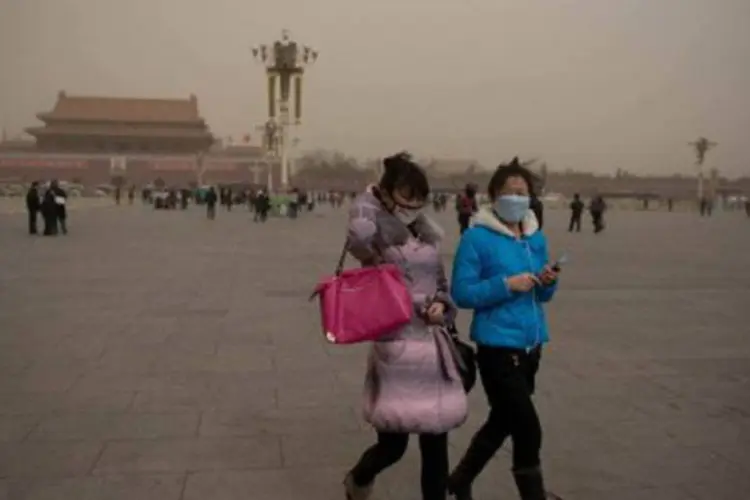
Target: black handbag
point(465, 357)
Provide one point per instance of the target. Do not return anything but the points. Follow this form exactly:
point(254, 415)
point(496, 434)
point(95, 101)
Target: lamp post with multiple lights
point(701, 146)
point(285, 62)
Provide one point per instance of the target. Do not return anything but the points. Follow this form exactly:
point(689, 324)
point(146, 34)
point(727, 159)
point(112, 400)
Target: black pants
point(50, 224)
point(62, 221)
point(391, 447)
point(260, 215)
point(463, 222)
point(33, 217)
point(508, 377)
point(211, 211)
point(575, 222)
point(598, 221)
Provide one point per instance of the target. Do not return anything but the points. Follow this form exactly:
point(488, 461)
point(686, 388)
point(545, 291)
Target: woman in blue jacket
point(501, 271)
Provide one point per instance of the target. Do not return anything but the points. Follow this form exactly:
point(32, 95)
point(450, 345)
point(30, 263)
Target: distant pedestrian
point(597, 207)
point(131, 195)
point(294, 203)
point(466, 206)
point(33, 206)
point(49, 212)
point(211, 199)
point(536, 206)
point(670, 204)
point(706, 207)
point(226, 198)
point(576, 213)
point(262, 206)
point(61, 200)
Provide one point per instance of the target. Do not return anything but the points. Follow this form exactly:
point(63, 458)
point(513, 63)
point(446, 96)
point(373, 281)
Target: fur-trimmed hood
point(487, 218)
point(393, 231)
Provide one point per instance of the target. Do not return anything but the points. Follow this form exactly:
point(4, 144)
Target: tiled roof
point(120, 131)
point(122, 109)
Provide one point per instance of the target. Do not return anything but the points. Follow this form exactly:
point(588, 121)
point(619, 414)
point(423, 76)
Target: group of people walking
point(259, 202)
point(502, 272)
point(51, 204)
point(597, 207)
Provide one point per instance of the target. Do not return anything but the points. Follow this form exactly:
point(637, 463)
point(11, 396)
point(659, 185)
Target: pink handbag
point(361, 305)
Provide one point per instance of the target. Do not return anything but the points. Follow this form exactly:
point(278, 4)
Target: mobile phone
point(557, 265)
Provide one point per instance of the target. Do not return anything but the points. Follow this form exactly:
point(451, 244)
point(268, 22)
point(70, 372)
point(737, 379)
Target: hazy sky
point(589, 84)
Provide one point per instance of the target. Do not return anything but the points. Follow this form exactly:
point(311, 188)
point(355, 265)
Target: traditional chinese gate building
point(117, 125)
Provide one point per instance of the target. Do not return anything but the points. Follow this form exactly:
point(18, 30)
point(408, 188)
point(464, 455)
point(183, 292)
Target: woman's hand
point(435, 313)
point(522, 282)
point(548, 276)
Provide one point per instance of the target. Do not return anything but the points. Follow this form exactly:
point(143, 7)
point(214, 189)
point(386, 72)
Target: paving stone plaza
point(154, 355)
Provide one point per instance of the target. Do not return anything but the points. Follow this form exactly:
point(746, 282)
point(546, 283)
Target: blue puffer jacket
point(487, 255)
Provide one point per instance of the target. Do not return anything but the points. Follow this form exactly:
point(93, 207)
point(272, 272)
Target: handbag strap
point(378, 251)
point(404, 263)
point(342, 258)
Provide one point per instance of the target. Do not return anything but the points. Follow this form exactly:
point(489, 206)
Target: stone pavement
point(159, 356)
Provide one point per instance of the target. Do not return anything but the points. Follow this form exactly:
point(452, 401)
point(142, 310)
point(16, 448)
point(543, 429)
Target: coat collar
point(487, 218)
point(424, 227)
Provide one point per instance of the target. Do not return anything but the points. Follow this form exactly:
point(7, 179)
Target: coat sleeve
point(361, 233)
point(545, 293)
point(468, 289)
point(443, 294)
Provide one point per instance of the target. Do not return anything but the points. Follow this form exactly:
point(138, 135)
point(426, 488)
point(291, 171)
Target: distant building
point(451, 166)
point(79, 124)
point(17, 145)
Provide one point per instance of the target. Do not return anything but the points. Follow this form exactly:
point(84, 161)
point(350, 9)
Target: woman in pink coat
point(412, 385)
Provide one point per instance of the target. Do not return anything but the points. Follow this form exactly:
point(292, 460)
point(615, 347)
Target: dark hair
point(505, 171)
point(401, 173)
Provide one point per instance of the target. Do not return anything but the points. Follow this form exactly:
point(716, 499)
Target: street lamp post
point(199, 167)
point(270, 149)
point(701, 146)
point(285, 62)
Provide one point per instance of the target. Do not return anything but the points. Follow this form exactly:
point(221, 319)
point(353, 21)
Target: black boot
point(459, 492)
point(482, 448)
point(530, 485)
point(459, 482)
point(472, 463)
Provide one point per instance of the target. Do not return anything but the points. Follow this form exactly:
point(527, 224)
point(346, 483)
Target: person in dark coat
point(61, 212)
point(262, 206)
point(211, 199)
point(576, 212)
point(597, 209)
point(466, 206)
point(33, 206)
point(536, 206)
point(49, 212)
point(184, 197)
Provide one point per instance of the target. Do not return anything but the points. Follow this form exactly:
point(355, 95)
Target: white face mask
point(512, 208)
point(406, 215)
